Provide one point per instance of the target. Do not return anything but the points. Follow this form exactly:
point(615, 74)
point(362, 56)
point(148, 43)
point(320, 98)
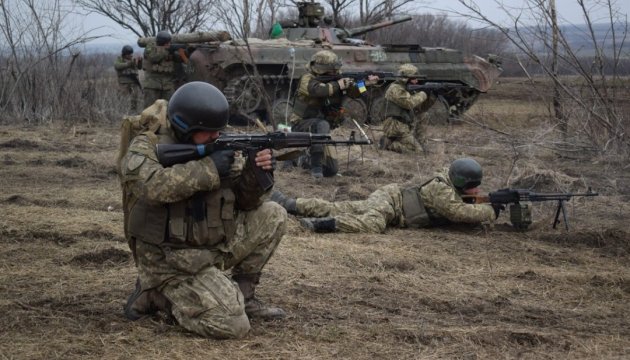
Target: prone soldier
point(433, 203)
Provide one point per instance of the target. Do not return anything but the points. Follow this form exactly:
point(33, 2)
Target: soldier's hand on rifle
point(372, 80)
point(265, 160)
point(223, 160)
point(497, 209)
point(344, 83)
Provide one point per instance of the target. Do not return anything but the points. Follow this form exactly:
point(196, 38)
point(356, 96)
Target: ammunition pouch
point(414, 212)
point(203, 221)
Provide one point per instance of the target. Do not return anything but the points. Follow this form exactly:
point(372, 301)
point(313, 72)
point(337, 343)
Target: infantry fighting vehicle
point(258, 75)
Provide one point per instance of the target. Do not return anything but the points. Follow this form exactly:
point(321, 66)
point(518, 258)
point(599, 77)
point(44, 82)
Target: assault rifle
point(171, 154)
point(356, 76)
point(436, 88)
point(520, 214)
point(182, 50)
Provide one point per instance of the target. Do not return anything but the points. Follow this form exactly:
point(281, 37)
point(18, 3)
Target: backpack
point(148, 122)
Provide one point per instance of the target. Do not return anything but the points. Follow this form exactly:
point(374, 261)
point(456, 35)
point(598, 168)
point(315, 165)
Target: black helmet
point(127, 50)
point(163, 37)
point(197, 106)
point(465, 173)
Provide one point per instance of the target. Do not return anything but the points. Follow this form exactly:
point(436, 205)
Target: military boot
point(254, 308)
point(288, 203)
point(141, 303)
point(317, 171)
point(320, 225)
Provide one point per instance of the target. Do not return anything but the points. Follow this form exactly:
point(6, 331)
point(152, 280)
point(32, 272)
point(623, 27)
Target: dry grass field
point(441, 293)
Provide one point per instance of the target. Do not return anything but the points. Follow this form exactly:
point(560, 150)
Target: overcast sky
point(568, 12)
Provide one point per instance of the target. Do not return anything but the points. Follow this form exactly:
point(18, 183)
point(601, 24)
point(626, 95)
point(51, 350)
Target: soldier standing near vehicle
point(128, 83)
point(399, 113)
point(436, 202)
point(317, 107)
point(188, 223)
point(160, 68)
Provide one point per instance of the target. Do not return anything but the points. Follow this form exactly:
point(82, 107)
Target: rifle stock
point(171, 154)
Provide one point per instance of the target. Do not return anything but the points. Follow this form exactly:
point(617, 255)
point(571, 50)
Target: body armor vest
point(201, 221)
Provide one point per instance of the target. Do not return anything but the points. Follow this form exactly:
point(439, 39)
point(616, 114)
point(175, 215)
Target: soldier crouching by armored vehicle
point(399, 114)
point(317, 107)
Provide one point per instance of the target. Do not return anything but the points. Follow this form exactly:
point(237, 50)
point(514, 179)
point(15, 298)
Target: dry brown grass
point(455, 292)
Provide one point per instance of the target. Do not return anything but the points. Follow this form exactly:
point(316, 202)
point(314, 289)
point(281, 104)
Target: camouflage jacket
point(444, 203)
point(159, 68)
point(316, 99)
point(126, 70)
point(186, 205)
point(400, 103)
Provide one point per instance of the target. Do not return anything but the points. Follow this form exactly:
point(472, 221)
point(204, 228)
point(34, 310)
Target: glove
point(497, 209)
point(344, 83)
point(223, 160)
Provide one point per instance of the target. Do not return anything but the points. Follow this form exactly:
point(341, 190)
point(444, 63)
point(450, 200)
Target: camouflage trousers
point(203, 298)
point(330, 164)
point(129, 93)
point(381, 209)
point(398, 136)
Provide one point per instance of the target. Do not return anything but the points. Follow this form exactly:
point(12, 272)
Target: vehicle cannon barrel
point(347, 33)
point(191, 38)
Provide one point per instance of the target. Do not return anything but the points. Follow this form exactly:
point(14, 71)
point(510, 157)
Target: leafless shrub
point(44, 76)
point(589, 104)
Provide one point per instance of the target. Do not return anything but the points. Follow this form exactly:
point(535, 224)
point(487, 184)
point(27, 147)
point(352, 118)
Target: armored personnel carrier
point(260, 76)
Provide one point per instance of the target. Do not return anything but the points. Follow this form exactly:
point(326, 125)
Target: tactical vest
point(201, 221)
point(166, 66)
point(415, 213)
point(307, 107)
point(392, 110)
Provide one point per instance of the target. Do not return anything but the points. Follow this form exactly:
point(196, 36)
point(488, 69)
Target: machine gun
point(171, 154)
point(520, 214)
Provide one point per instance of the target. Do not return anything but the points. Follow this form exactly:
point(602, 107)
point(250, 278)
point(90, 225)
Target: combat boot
point(254, 308)
point(286, 202)
point(317, 171)
point(142, 303)
point(320, 225)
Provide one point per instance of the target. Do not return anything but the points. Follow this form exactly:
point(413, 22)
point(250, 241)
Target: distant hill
point(580, 40)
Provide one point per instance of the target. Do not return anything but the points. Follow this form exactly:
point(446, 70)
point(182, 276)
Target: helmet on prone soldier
point(162, 38)
point(465, 173)
point(197, 106)
point(127, 50)
point(323, 62)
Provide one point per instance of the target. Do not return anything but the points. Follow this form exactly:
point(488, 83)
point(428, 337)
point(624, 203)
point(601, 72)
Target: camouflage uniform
point(160, 73)
point(386, 207)
point(128, 82)
point(186, 226)
point(317, 108)
point(399, 115)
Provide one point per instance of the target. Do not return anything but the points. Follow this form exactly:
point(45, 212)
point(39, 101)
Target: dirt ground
point(454, 292)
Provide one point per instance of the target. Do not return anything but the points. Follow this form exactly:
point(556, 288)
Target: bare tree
point(590, 104)
point(39, 56)
point(147, 17)
point(373, 11)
